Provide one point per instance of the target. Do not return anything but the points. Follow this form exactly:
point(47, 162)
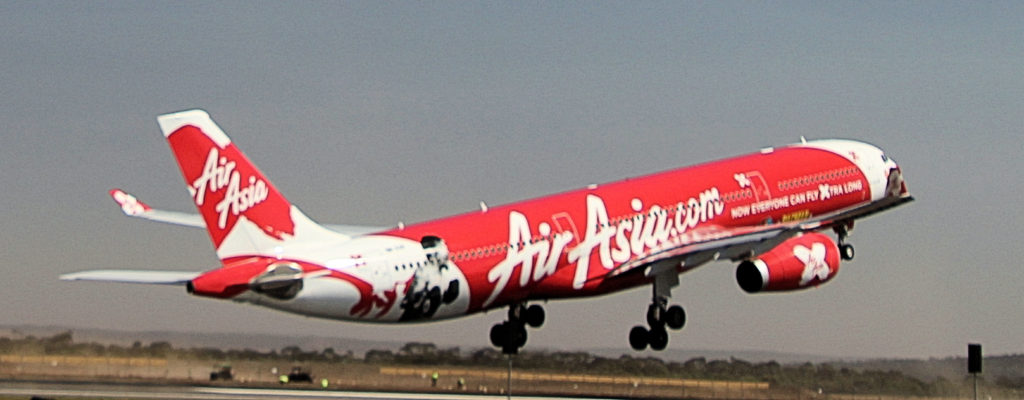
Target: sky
point(378, 112)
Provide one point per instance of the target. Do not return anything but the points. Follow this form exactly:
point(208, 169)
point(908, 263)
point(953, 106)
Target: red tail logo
point(225, 185)
point(218, 173)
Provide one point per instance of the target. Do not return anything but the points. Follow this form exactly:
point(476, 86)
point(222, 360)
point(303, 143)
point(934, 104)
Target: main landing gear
point(659, 316)
point(511, 335)
point(842, 230)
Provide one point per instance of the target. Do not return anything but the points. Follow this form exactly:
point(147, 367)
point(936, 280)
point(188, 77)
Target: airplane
point(765, 211)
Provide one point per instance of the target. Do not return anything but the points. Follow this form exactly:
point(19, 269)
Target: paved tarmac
point(135, 391)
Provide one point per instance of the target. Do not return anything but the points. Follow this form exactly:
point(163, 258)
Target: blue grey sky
point(380, 112)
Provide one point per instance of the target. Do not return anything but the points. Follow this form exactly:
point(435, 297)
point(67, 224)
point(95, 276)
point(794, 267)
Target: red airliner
point(764, 211)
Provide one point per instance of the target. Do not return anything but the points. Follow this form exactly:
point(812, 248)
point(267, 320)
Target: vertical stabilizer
point(244, 213)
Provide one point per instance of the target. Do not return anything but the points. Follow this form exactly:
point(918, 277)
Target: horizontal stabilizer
point(133, 276)
point(355, 230)
point(134, 207)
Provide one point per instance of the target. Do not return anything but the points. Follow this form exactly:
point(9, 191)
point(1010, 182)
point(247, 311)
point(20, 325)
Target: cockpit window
point(884, 158)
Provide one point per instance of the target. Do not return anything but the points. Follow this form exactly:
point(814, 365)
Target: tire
point(507, 334)
point(498, 335)
point(509, 349)
point(675, 317)
point(520, 335)
point(659, 339)
point(846, 252)
point(638, 338)
point(535, 316)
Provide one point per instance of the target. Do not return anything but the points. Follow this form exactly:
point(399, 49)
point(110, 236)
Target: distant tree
point(95, 349)
point(696, 366)
point(328, 354)
point(607, 366)
point(159, 349)
point(485, 356)
point(61, 339)
point(253, 355)
point(646, 366)
point(291, 352)
point(417, 349)
point(418, 353)
point(60, 343)
point(769, 368)
point(208, 353)
point(741, 369)
point(379, 356)
point(450, 356)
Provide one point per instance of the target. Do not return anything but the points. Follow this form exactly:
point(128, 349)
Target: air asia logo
point(815, 265)
point(225, 187)
point(219, 173)
point(633, 237)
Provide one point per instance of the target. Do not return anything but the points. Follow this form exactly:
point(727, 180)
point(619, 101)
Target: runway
point(130, 391)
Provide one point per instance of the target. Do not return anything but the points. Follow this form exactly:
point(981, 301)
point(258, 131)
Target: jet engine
point(277, 279)
point(798, 263)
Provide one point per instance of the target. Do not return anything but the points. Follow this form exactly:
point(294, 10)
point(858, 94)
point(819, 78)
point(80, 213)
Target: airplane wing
point(130, 276)
point(713, 243)
point(133, 207)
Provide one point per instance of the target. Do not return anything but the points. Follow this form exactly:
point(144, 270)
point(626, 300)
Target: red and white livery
point(763, 210)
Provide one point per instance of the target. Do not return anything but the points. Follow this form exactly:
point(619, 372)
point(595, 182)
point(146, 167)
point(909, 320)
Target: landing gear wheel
point(498, 335)
point(508, 335)
point(511, 334)
point(638, 338)
point(519, 335)
point(846, 251)
point(658, 338)
point(675, 317)
point(534, 316)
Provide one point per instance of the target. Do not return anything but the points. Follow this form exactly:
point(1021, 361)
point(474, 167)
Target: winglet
point(129, 204)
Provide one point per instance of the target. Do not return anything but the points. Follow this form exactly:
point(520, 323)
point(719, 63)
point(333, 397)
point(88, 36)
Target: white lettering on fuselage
point(633, 237)
point(823, 192)
point(219, 173)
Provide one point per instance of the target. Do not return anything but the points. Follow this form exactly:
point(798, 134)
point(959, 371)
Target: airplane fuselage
point(564, 245)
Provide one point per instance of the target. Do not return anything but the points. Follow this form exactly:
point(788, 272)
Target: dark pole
point(975, 386)
point(508, 383)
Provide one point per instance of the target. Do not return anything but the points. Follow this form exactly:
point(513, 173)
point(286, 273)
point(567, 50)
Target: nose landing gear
point(842, 230)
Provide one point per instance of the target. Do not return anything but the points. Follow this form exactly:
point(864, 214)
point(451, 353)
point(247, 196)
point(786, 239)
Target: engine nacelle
point(798, 263)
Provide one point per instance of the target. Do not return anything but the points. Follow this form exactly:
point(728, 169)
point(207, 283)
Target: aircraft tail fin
point(244, 213)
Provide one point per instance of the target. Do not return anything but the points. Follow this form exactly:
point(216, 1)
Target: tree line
point(807, 376)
